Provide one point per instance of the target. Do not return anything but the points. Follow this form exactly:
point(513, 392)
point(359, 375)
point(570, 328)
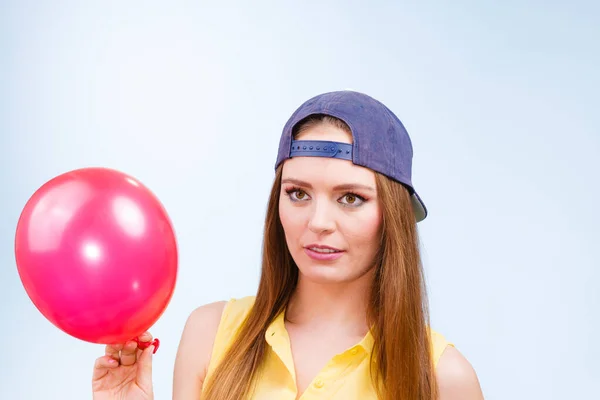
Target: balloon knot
point(145, 345)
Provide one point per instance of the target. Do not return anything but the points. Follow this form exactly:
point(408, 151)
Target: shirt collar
point(276, 332)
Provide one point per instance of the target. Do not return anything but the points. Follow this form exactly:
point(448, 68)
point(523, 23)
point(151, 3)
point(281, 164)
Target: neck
point(324, 304)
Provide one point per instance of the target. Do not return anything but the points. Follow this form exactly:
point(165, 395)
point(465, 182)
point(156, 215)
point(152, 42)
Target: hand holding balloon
point(125, 371)
point(97, 255)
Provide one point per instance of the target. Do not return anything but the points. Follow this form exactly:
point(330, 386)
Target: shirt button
point(319, 384)
point(354, 352)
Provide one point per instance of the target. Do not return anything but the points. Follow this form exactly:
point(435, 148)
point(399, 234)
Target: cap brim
point(418, 207)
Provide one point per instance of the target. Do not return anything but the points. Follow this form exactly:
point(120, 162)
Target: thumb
point(144, 369)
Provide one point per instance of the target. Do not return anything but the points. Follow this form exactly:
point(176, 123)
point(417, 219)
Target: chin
point(323, 278)
point(324, 274)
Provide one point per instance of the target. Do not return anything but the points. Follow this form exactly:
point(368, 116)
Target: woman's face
point(330, 213)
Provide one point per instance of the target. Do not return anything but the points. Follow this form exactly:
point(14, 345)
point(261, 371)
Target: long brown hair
point(397, 313)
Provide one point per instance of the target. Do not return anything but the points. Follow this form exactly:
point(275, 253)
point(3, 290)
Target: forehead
point(326, 172)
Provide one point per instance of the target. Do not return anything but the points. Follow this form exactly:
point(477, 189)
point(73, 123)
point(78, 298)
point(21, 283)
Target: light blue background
point(500, 98)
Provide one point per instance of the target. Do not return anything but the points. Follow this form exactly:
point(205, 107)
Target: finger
point(103, 365)
point(144, 369)
point(145, 337)
point(129, 353)
point(144, 341)
point(113, 351)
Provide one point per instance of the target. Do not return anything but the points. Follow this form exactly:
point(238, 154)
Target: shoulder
point(196, 341)
point(456, 377)
point(205, 321)
point(194, 351)
point(203, 332)
point(236, 309)
point(208, 313)
point(207, 333)
point(439, 344)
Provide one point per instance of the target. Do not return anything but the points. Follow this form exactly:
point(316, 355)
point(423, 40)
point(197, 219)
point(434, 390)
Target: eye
point(352, 199)
point(300, 195)
point(296, 194)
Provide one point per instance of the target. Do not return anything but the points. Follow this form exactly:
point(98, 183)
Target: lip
point(323, 256)
point(320, 246)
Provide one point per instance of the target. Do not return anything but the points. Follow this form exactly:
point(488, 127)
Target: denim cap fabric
point(379, 140)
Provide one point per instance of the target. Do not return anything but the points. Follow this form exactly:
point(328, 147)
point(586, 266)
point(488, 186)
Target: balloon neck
point(145, 345)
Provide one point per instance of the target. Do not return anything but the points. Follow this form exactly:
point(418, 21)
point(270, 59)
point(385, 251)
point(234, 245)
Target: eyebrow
point(345, 186)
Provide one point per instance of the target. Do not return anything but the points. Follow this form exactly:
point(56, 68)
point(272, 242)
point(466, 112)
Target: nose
point(322, 218)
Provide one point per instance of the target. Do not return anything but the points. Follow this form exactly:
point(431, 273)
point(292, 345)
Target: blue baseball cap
point(379, 140)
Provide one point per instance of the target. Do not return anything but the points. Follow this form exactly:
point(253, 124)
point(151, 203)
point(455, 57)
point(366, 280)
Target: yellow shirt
point(345, 377)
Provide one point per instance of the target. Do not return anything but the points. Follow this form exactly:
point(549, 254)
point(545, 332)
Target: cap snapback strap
point(321, 148)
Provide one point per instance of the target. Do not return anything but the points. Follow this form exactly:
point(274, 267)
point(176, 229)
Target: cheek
point(363, 232)
point(291, 218)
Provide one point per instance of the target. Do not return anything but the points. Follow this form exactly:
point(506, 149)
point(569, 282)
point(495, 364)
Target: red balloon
point(97, 255)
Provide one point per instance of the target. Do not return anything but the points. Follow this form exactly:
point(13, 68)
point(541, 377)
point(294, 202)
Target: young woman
point(341, 310)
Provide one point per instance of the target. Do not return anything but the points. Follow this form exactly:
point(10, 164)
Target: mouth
point(323, 249)
point(322, 253)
